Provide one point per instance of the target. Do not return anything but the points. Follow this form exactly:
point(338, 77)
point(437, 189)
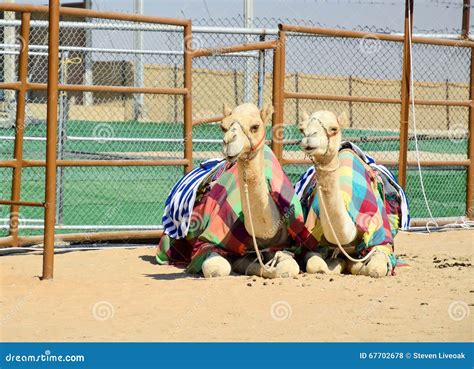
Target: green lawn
point(136, 195)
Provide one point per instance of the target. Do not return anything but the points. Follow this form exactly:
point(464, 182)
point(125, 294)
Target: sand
point(121, 295)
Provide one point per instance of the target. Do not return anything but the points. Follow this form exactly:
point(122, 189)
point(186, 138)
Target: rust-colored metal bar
point(51, 140)
point(315, 96)
point(21, 203)
point(338, 32)
point(188, 98)
point(81, 237)
point(334, 32)
point(465, 19)
point(96, 163)
point(19, 124)
point(10, 85)
point(94, 14)
point(117, 89)
point(370, 99)
point(262, 45)
point(405, 96)
point(394, 163)
point(470, 148)
point(278, 96)
point(216, 118)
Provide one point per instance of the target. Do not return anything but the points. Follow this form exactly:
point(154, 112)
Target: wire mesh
point(103, 125)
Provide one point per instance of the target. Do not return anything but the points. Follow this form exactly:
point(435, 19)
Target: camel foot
point(215, 266)
point(316, 264)
point(284, 267)
point(376, 267)
point(336, 266)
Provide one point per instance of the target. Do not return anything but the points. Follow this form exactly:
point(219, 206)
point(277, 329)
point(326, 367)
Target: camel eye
point(254, 128)
point(224, 129)
point(334, 129)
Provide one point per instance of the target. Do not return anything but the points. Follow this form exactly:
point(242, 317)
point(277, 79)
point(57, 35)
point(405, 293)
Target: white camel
point(243, 142)
point(321, 142)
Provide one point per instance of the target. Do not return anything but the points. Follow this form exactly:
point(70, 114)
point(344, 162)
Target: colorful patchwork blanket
point(216, 223)
point(373, 199)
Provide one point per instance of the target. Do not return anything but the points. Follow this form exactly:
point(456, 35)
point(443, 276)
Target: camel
point(237, 214)
point(243, 142)
point(321, 142)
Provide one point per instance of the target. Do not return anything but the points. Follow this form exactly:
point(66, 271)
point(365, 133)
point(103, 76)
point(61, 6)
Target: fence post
point(351, 118)
point(470, 147)
point(51, 137)
point(465, 19)
point(19, 126)
point(278, 97)
point(405, 97)
point(188, 99)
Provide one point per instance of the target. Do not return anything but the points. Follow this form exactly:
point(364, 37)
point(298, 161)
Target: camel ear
point(266, 113)
point(304, 115)
point(342, 120)
point(226, 110)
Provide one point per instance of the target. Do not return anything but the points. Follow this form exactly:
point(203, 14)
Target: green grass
point(136, 195)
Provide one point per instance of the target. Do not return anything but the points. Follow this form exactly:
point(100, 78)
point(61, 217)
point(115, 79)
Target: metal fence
point(121, 148)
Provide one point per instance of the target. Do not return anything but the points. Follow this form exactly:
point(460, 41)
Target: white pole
point(248, 23)
point(139, 78)
point(88, 78)
point(9, 67)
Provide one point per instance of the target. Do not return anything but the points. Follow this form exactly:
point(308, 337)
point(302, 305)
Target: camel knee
point(215, 266)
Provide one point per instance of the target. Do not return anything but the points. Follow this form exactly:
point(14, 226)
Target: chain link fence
point(104, 125)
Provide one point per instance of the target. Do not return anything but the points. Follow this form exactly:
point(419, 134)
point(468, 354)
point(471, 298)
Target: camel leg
point(336, 266)
point(377, 266)
point(315, 263)
point(215, 266)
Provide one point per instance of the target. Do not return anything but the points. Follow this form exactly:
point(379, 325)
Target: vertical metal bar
point(465, 19)
point(261, 73)
point(63, 116)
point(188, 99)
point(278, 99)
point(470, 148)
point(51, 138)
point(405, 98)
point(19, 126)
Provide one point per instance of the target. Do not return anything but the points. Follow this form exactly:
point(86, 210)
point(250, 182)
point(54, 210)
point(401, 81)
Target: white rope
point(417, 151)
point(320, 194)
point(254, 239)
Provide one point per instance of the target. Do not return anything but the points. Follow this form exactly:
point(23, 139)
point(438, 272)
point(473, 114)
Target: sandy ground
point(121, 295)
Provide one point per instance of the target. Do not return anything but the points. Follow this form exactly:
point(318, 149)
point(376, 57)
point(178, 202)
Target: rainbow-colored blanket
point(217, 220)
point(372, 200)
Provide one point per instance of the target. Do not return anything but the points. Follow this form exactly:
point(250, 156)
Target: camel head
point(322, 134)
point(244, 131)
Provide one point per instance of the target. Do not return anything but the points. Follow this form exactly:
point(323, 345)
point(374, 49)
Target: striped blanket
point(203, 214)
point(373, 199)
